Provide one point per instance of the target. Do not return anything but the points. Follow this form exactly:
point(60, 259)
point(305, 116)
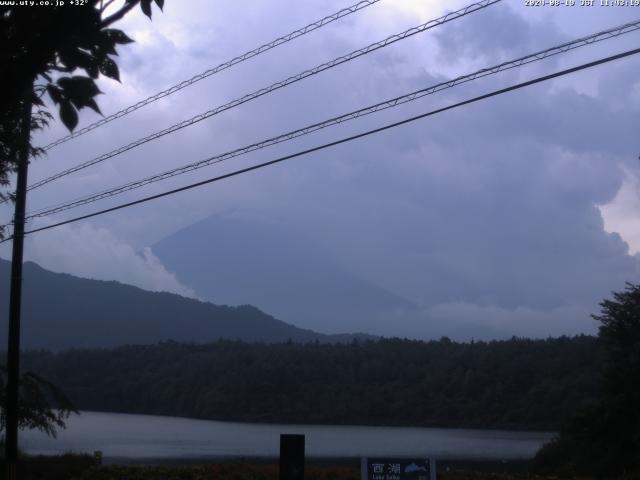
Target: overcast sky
point(519, 211)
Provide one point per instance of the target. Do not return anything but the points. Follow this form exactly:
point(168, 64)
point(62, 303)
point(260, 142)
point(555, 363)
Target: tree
point(43, 406)
point(57, 52)
point(604, 439)
point(45, 50)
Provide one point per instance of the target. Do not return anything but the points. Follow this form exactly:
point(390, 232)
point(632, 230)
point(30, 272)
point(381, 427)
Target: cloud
point(463, 321)
point(489, 211)
point(467, 321)
point(494, 35)
point(621, 213)
point(94, 252)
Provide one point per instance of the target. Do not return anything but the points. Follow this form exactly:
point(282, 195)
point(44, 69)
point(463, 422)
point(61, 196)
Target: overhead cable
point(393, 102)
point(283, 83)
point(343, 140)
point(219, 68)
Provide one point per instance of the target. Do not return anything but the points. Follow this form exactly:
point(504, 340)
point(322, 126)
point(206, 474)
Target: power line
point(219, 68)
point(391, 103)
point(344, 140)
point(283, 83)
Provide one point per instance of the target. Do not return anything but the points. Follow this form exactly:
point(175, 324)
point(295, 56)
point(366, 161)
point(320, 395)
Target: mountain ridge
point(61, 311)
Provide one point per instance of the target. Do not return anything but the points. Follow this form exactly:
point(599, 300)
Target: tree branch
point(119, 14)
point(104, 6)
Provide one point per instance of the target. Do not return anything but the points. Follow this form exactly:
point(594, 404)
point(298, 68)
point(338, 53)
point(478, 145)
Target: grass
point(85, 467)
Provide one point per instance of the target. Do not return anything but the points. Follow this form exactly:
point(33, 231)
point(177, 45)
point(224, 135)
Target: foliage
point(604, 439)
point(42, 405)
point(517, 383)
point(85, 467)
point(230, 471)
point(250, 471)
point(60, 467)
point(45, 51)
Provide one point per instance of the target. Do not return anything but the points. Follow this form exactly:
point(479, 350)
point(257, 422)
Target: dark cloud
point(495, 34)
point(489, 211)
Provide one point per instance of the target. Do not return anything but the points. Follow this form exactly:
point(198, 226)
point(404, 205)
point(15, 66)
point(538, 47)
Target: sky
point(518, 212)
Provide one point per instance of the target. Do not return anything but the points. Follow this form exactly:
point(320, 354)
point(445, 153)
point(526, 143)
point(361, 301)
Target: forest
point(512, 384)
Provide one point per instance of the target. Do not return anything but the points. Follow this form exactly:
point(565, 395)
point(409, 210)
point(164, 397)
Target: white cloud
point(621, 214)
point(90, 252)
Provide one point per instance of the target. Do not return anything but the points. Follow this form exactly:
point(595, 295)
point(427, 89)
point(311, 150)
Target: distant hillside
point(242, 258)
point(62, 311)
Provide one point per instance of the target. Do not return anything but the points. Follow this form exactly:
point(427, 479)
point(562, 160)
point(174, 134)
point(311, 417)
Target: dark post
point(291, 457)
point(13, 350)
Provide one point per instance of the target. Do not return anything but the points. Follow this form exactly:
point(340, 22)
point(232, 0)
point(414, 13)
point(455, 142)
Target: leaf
point(93, 70)
point(105, 46)
point(80, 92)
point(78, 88)
point(55, 93)
point(93, 106)
point(36, 100)
point(76, 58)
point(160, 4)
point(109, 69)
point(68, 115)
point(145, 5)
point(117, 36)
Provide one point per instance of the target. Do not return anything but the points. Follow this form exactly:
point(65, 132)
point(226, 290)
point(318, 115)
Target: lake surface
point(152, 437)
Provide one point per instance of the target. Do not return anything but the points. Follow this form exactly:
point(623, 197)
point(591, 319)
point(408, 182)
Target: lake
point(121, 436)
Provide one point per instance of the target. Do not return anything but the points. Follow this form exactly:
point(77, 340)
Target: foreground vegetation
point(83, 467)
point(603, 438)
point(266, 472)
point(514, 384)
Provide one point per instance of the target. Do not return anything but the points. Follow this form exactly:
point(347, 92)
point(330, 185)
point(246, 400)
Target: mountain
point(60, 311)
point(239, 258)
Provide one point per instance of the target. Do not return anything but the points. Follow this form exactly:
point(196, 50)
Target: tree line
point(603, 438)
point(512, 384)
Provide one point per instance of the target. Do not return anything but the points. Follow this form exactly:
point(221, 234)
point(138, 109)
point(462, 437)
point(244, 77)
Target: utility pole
point(13, 350)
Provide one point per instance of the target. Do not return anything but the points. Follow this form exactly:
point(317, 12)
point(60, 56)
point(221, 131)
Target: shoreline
point(452, 464)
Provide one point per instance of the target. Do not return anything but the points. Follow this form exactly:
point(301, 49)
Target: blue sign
point(397, 469)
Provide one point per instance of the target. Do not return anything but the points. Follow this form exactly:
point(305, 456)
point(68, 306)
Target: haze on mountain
point(240, 258)
point(251, 256)
point(60, 311)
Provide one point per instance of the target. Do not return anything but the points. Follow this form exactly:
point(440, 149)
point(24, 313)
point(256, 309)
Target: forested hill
point(520, 384)
point(61, 311)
